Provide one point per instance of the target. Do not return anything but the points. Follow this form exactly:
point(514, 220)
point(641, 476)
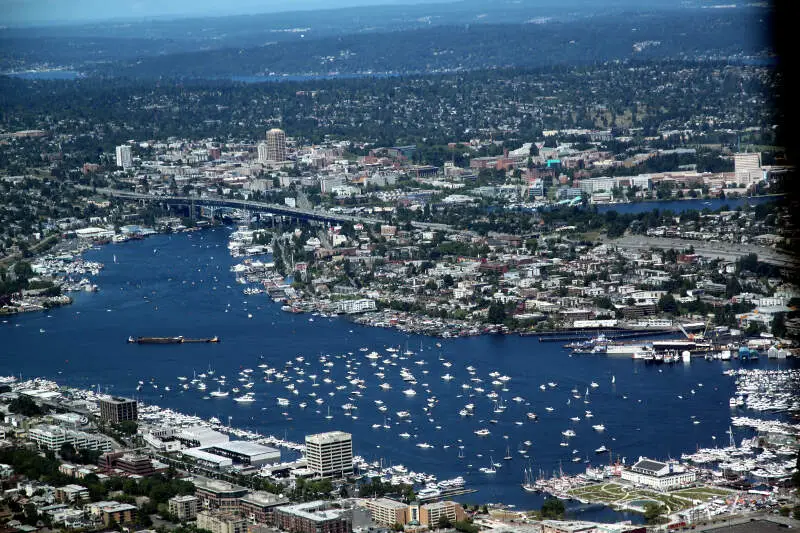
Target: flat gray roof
point(245, 447)
point(329, 437)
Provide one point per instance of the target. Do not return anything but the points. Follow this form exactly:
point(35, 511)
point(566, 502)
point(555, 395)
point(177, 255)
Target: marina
point(332, 362)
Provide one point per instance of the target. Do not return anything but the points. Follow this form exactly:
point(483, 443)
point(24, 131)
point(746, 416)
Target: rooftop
point(215, 485)
point(315, 511)
point(245, 447)
point(649, 464)
point(386, 502)
point(329, 437)
point(265, 498)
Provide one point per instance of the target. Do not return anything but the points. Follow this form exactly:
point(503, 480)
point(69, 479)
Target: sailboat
point(613, 379)
point(508, 454)
point(489, 469)
point(527, 482)
point(329, 415)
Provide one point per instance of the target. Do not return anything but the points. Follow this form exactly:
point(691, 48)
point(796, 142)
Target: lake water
point(679, 206)
point(182, 285)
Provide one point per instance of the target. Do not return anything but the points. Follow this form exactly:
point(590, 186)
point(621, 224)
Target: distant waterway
point(182, 285)
point(46, 75)
point(312, 77)
point(679, 206)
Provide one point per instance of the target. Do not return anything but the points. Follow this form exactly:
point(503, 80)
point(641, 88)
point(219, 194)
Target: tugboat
point(170, 340)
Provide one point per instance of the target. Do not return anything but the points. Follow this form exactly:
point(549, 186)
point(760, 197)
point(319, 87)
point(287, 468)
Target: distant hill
point(686, 34)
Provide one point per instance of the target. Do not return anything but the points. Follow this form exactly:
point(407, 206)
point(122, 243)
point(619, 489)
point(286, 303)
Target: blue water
point(47, 75)
point(679, 206)
point(312, 77)
point(182, 285)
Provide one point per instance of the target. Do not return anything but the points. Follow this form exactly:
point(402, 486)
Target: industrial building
point(245, 453)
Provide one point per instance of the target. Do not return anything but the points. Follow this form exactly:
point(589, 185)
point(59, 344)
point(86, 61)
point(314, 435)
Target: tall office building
point(276, 145)
point(124, 157)
point(747, 167)
point(115, 410)
point(330, 454)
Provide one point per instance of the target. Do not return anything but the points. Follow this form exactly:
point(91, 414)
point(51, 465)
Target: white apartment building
point(53, 437)
point(351, 307)
point(124, 157)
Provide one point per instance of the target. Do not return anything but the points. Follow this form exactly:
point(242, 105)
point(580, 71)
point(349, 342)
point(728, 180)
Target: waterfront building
point(245, 453)
point(312, 517)
point(53, 437)
point(658, 475)
point(355, 306)
point(116, 410)
point(275, 146)
point(220, 522)
point(183, 507)
point(218, 495)
point(200, 437)
point(330, 454)
point(124, 157)
point(387, 512)
point(258, 507)
point(209, 460)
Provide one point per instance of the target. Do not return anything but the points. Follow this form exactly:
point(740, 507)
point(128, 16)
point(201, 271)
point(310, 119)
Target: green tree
point(668, 304)
point(553, 508)
point(653, 512)
point(23, 405)
point(497, 314)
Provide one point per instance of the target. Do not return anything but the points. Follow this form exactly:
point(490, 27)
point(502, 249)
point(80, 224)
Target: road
point(716, 250)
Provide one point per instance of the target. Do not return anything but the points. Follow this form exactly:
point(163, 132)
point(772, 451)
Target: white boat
point(410, 392)
point(599, 427)
point(219, 394)
point(594, 385)
point(404, 435)
point(424, 445)
point(601, 449)
point(482, 432)
point(247, 397)
point(429, 492)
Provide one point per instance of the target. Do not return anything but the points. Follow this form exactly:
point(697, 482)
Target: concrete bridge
point(319, 215)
